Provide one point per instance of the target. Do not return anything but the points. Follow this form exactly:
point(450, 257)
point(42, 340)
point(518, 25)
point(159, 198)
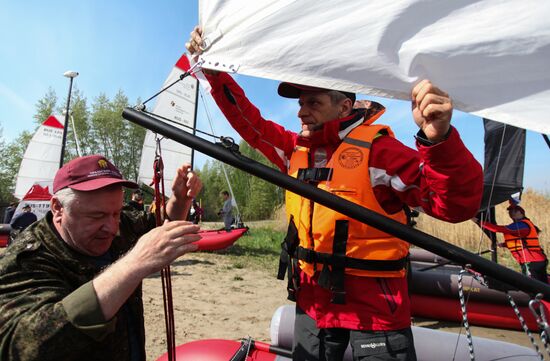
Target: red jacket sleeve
point(271, 139)
point(443, 180)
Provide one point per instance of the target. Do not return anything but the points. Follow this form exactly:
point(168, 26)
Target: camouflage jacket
point(48, 306)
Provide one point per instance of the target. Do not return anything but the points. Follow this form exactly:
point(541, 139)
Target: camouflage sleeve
point(40, 316)
point(84, 312)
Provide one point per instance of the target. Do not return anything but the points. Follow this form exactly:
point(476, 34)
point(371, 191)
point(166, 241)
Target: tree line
point(100, 129)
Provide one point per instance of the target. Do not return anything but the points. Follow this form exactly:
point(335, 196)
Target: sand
point(214, 299)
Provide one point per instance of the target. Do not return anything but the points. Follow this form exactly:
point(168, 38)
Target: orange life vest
point(317, 226)
point(518, 245)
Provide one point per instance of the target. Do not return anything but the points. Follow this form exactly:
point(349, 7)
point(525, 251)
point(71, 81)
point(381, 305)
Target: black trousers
point(329, 344)
point(537, 270)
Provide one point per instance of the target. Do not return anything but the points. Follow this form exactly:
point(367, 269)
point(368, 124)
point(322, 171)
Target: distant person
point(227, 211)
point(195, 213)
point(8, 215)
point(521, 237)
point(137, 200)
point(20, 222)
point(70, 287)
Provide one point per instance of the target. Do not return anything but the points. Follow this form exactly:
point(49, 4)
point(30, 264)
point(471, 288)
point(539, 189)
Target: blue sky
point(131, 46)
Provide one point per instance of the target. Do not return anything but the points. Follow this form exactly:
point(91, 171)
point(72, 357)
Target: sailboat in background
point(179, 105)
point(39, 165)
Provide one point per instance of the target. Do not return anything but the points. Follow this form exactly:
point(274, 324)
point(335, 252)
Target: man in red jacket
point(521, 237)
point(338, 150)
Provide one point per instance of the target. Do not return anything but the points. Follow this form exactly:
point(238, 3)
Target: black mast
point(343, 206)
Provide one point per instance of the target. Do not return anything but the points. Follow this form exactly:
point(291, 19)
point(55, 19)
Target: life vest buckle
point(314, 175)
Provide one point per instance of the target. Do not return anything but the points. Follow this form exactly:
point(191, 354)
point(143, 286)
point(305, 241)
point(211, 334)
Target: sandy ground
point(213, 299)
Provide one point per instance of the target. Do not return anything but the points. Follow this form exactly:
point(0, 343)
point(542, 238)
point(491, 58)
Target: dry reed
point(469, 236)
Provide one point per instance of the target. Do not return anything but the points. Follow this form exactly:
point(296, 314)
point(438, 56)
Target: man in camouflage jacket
point(70, 288)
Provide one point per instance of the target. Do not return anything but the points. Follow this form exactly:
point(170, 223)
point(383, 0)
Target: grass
point(261, 246)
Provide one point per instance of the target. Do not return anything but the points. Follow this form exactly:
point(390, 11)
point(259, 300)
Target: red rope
point(160, 204)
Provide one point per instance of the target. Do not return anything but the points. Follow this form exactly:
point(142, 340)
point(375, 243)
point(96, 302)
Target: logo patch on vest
point(373, 345)
point(351, 158)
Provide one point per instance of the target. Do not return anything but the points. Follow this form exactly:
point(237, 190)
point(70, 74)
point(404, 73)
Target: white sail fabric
point(491, 56)
point(38, 197)
point(177, 104)
point(41, 159)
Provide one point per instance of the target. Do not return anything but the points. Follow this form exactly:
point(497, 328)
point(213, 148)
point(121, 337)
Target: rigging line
point(192, 70)
point(208, 116)
point(545, 137)
point(182, 125)
point(161, 215)
point(485, 217)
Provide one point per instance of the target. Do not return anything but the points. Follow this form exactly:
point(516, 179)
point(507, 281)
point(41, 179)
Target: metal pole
point(71, 75)
point(343, 206)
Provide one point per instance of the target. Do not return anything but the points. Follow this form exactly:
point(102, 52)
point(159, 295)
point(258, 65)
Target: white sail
point(38, 197)
point(41, 159)
point(491, 56)
point(179, 105)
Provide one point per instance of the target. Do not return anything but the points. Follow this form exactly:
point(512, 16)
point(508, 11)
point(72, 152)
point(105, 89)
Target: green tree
point(79, 118)
point(255, 197)
point(115, 137)
point(45, 107)
point(11, 155)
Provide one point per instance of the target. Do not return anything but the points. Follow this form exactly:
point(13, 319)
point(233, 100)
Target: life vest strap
point(314, 175)
point(310, 256)
point(287, 262)
point(338, 273)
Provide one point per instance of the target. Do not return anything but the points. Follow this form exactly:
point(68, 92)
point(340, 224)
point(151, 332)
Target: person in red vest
point(521, 237)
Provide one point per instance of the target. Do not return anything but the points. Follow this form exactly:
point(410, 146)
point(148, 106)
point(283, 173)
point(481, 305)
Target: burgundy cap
point(89, 173)
point(291, 90)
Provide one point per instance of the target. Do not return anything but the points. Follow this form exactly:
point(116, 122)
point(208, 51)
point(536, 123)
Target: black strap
point(339, 245)
point(288, 262)
point(314, 175)
point(311, 256)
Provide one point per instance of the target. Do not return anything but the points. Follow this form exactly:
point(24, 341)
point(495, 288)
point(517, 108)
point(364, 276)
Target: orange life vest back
point(517, 245)
point(377, 253)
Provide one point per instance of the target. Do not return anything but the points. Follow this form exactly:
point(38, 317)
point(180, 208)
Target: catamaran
point(491, 60)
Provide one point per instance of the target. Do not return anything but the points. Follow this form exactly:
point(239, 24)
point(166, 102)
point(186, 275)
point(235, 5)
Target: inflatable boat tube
point(421, 255)
point(430, 345)
point(479, 313)
point(4, 234)
point(219, 239)
point(443, 282)
point(222, 350)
